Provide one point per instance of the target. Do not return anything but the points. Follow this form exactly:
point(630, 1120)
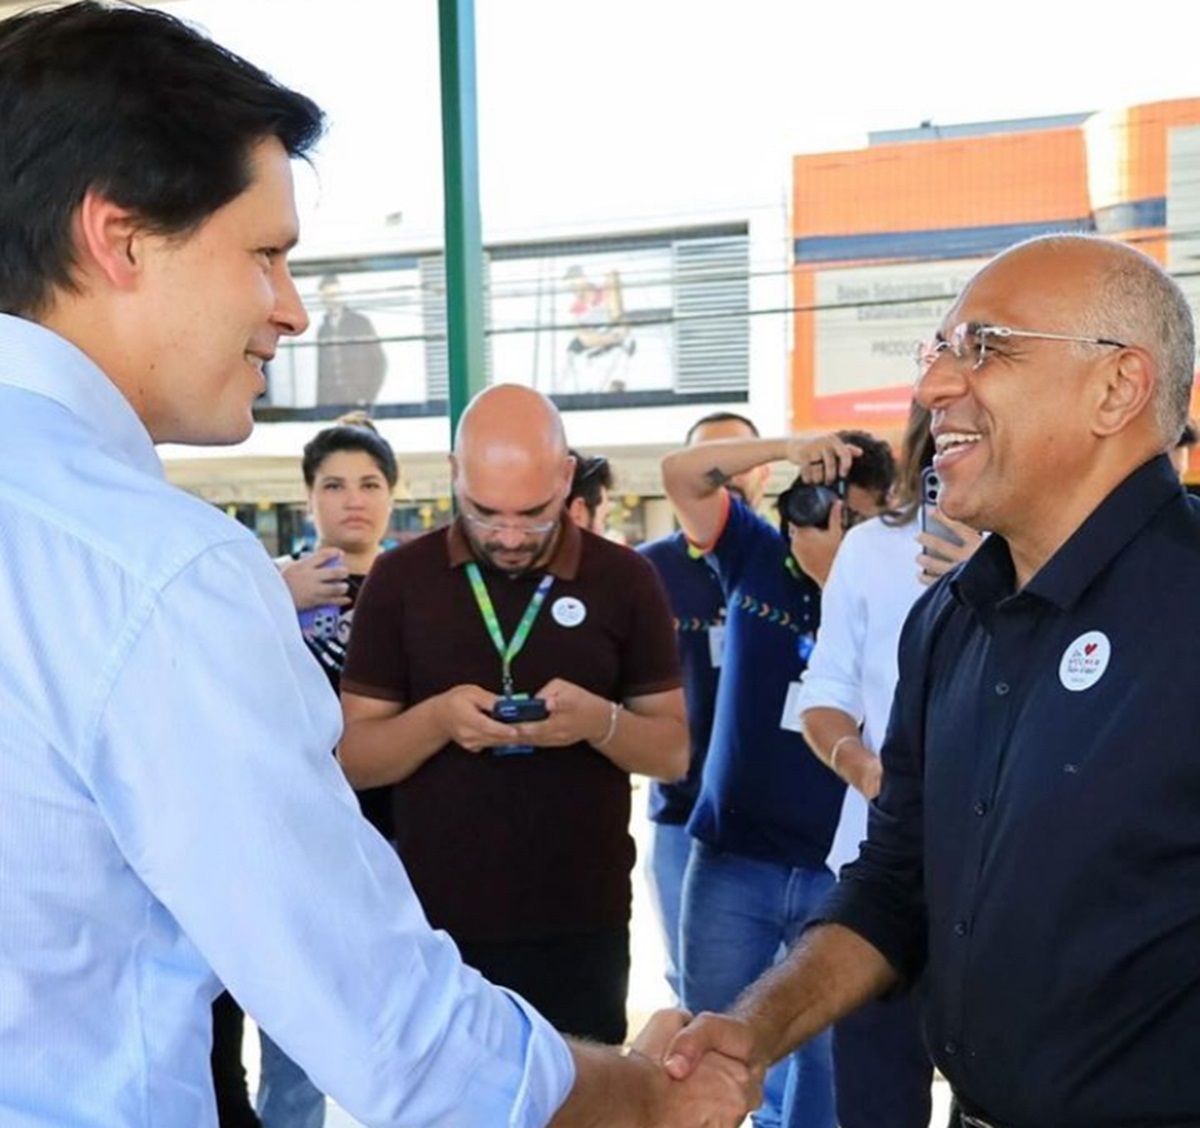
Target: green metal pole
point(464, 238)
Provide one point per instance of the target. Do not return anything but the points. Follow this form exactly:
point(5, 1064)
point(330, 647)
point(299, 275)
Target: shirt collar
point(37, 360)
point(563, 564)
point(989, 576)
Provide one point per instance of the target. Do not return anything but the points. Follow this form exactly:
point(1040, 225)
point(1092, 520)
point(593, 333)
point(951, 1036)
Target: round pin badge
point(1084, 661)
point(568, 611)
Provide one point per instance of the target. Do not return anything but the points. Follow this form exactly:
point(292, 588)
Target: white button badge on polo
point(568, 611)
point(1084, 661)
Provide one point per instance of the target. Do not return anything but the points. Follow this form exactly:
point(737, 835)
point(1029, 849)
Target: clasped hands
point(708, 1076)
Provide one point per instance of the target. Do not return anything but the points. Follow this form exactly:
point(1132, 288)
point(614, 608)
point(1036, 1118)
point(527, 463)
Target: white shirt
point(170, 809)
point(871, 588)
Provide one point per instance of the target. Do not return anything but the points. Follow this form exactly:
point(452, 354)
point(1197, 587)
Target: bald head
point(512, 473)
point(1067, 362)
point(510, 418)
point(1116, 292)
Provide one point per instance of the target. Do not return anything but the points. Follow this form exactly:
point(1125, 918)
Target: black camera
point(808, 506)
point(514, 711)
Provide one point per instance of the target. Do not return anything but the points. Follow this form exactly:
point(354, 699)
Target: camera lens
point(807, 506)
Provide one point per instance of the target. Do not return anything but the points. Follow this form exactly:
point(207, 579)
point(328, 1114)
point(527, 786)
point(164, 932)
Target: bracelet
point(837, 747)
point(612, 726)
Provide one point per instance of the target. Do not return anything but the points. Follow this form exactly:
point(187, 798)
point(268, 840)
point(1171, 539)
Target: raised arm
point(695, 478)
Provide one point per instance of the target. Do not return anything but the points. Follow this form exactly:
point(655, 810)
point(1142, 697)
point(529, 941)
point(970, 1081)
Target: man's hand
point(861, 768)
point(709, 1033)
point(930, 562)
point(718, 1092)
point(575, 715)
point(314, 582)
point(823, 459)
point(814, 548)
point(465, 715)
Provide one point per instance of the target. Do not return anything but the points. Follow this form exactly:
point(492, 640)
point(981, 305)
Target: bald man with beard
point(515, 831)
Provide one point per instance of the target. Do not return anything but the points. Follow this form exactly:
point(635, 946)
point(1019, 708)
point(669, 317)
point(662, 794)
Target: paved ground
point(647, 990)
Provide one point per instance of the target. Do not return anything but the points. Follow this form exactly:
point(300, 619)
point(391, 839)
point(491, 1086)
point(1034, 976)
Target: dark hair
point(131, 103)
point(718, 417)
point(1188, 436)
point(873, 470)
point(351, 432)
point(591, 478)
point(916, 452)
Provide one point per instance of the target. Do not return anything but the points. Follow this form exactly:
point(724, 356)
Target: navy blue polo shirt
point(1036, 847)
point(764, 795)
point(698, 607)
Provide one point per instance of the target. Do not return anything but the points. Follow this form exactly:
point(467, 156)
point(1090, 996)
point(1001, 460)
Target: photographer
point(767, 809)
point(514, 829)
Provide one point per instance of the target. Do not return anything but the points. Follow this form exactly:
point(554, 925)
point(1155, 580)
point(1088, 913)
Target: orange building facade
point(884, 238)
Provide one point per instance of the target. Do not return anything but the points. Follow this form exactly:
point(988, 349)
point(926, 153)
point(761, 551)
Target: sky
point(636, 110)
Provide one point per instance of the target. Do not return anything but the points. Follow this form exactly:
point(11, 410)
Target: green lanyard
point(510, 650)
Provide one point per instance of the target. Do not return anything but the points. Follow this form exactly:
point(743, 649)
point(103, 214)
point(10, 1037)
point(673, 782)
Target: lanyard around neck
point(507, 651)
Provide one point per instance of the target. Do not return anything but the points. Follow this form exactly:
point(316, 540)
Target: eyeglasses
point(519, 525)
point(968, 342)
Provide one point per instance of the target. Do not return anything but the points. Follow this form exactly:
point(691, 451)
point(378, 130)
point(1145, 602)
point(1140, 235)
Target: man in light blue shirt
point(172, 817)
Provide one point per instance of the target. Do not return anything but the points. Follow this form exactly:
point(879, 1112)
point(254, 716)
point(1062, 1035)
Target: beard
point(511, 562)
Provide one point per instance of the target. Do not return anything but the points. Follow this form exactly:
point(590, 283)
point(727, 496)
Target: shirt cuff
point(549, 1070)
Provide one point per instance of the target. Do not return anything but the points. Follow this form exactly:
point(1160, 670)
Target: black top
point(520, 847)
point(1036, 847)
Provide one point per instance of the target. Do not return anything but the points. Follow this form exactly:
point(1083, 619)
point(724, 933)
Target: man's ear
point(578, 512)
point(1127, 391)
point(108, 240)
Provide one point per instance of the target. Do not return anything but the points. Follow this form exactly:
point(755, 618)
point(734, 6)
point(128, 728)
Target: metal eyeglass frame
point(527, 528)
point(929, 352)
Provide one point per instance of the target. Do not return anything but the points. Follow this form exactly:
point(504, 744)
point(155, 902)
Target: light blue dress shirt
point(170, 814)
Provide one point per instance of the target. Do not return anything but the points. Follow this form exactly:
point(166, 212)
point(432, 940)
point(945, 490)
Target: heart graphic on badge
point(1084, 661)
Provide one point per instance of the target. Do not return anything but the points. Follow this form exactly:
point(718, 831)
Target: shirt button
point(980, 808)
point(951, 1048)
point(960, 928)
point(1001, 689)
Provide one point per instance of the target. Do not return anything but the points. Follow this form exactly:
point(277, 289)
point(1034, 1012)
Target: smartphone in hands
point(930, 488)
point(516, 710)
point(322, 622)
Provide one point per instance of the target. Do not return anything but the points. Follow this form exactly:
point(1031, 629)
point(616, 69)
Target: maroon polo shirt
point(518, 847)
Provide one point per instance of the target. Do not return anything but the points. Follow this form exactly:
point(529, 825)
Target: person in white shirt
point(173, 819)
point(881, 1068)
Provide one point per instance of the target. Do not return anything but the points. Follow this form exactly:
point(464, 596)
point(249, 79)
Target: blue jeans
point(739, 916)
point(667, 858)
point(286, 1097)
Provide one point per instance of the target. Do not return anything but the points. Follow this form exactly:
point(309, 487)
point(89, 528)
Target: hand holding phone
point(321, 622)
point(930, 524)
point(514, 710)
point(942, 546)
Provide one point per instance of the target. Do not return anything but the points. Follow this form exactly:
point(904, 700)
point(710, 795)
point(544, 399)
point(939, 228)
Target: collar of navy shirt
point(988, 578)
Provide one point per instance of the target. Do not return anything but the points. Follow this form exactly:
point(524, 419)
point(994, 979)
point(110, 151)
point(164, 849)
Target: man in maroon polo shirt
point(515, 834)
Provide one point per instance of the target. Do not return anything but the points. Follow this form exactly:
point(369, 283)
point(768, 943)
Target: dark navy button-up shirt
point(1035, 851)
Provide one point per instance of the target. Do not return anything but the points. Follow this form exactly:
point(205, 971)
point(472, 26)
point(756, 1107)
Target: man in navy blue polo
point(766, 810)
point(1035, 851)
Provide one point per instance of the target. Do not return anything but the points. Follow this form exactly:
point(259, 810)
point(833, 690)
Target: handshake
point(701, 1073)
